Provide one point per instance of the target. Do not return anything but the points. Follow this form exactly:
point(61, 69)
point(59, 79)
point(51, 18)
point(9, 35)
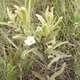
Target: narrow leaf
point(41, 19)
point(37, 53)
point(58, 72)
point(7, 24)
point(59, 44)
point(38, 75)
point(52, 61)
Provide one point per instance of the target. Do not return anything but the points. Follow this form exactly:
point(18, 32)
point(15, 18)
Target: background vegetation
point(53, 26)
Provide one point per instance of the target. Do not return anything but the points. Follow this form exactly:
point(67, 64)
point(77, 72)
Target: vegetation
point(39, 40)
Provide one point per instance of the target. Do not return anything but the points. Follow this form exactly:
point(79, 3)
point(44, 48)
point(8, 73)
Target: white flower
point(30, 40)
point(49, 46)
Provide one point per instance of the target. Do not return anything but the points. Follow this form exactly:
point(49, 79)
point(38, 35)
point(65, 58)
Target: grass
point(18, 64)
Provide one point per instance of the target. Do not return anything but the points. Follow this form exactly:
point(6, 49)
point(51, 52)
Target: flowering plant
point(40, 41)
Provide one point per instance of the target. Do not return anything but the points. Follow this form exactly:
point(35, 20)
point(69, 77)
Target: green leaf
point(59, 20)
point(19, 36)
point(7, 24)
point(41, 20)
point(25, 18)
point(60, 54)
point(46, 30)
point(24, 15)
point(10, 68)
point(27, 32)
point(53, 60)
point(38, 75)
point(37, 53)
point(58, 72)
point(18, 12)
point(38, 33)
point(59, 44)
point(10, 74)
point(49, 14)
point(34, 51)
point(25, 53)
